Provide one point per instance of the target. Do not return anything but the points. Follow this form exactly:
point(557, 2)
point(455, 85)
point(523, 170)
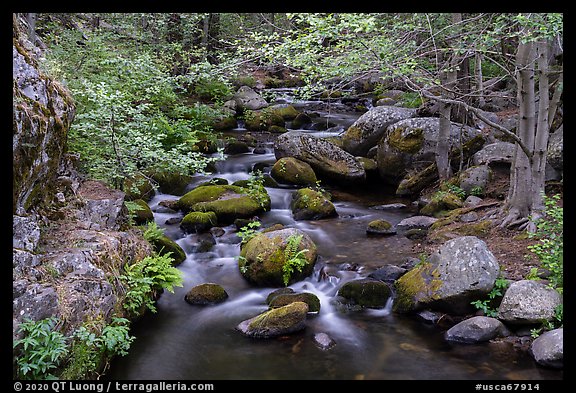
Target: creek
point(182, 341)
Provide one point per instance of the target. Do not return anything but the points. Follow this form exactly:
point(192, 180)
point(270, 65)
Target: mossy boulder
point(198, 221)
point(225, 123)
point(289, 170)
point(206, 294)
point(279, 321)
point(369, 128)
point(226, 201)
point(144, 214)
point(366, 292)
point(172, 183)
point(440, 203)
point(300, 121)
point(164, 245)
point(460, 271)
point(139, 187)
point(308, 204)
point(263, 120)
point(283, 299)
point(409, 145)
point(236, 147)
point(286, 111)
point(380, 227)
point(263, 257)
point(328, 160)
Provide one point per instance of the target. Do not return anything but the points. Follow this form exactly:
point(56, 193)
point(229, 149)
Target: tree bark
point(519, 200)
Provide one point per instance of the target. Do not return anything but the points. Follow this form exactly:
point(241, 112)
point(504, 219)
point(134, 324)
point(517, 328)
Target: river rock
point(288, 319)
point(144, 214)
point(247, 98)
point(528, 302)
point(263, 257)
point(369, 128)
point(415, 222)
point(366, 292)
point(283, 299)
point(308, 204)
point(327, 159)
point(460, 271)
point(164, 245)
point(388, 273)
point(198, 221)
point(227, 202)
point(548, 349)
point(494, 153)
point(206, 294)
point(380, 227)
point(476, 329)
point(289, 170)
point(323, 340)
point(410, 145)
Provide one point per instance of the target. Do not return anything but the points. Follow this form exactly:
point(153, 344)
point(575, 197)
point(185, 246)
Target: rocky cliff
point(70, 241)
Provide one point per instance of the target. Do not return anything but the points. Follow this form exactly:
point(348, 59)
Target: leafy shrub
point(90, 346)
point(550, 247)
point(145, 278)
point(489, 306)
point(42, 349)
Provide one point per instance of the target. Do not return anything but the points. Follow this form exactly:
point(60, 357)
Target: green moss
point(479, 229)
point(366, 292)
point(379, 225)
point(143, 215)
point(171, 182)
point(410, 142)
point(164, 245)
point(208, 293)
point(420, 284)
point(229, 209)
point(206, 193)
point(262, 259)
point(286, 298)
point(289, 170)
point(287, 112)
point(198, 221)
point(310, 205)
point(353, 133)
point(281, 317)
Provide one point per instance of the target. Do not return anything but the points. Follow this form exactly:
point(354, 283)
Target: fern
point(294, 259)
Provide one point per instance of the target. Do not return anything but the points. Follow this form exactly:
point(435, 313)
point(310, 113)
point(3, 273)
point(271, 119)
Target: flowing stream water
point(182, 342)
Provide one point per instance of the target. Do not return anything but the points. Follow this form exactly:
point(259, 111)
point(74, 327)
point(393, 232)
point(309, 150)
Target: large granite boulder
point(460, 271)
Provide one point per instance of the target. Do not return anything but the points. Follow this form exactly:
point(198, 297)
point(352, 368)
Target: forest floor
point(509, 246)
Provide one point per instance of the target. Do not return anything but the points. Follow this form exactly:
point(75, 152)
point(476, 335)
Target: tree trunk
point(480, 81)
point(449, 82)
point(542, 130)
point(31, 20)
point(519, 200)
